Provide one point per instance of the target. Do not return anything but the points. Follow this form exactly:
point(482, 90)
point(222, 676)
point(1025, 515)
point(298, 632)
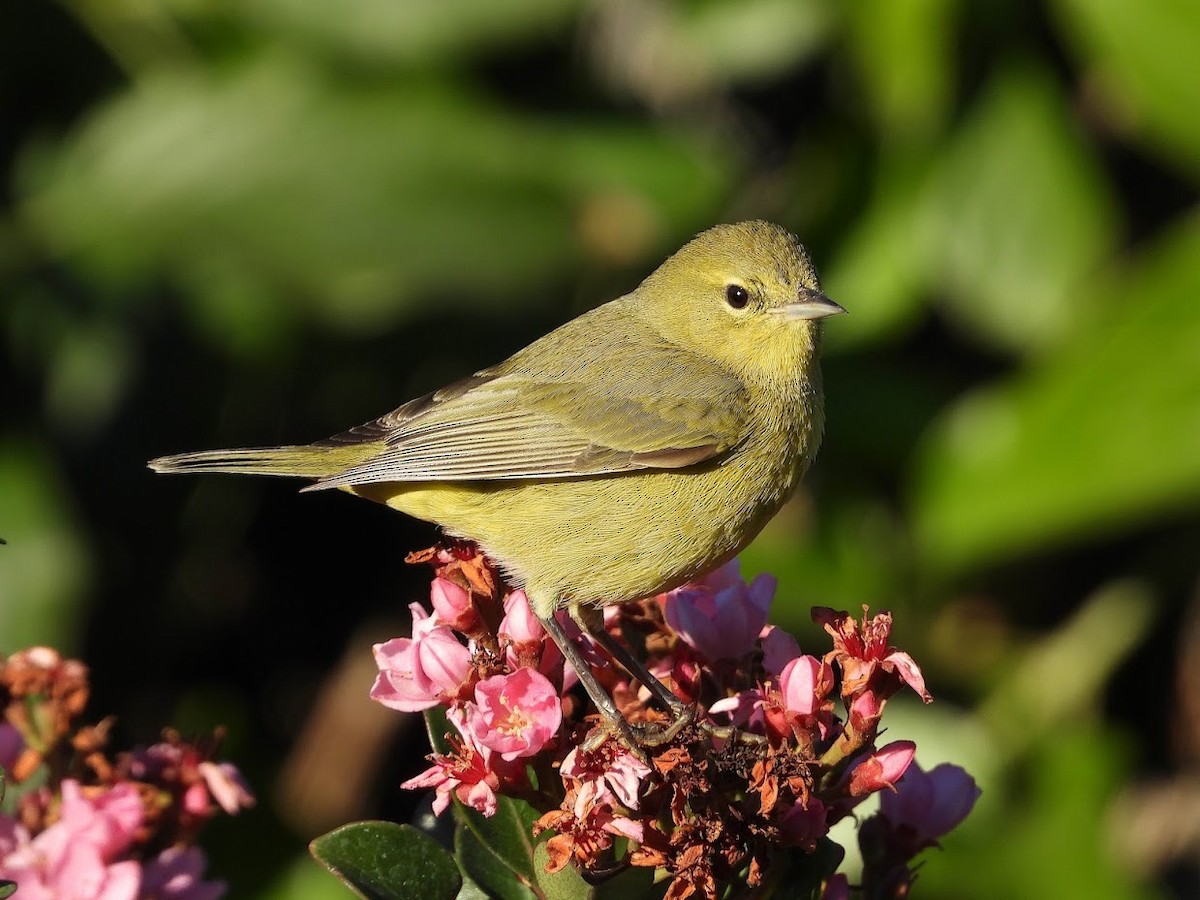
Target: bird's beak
point(809, 305)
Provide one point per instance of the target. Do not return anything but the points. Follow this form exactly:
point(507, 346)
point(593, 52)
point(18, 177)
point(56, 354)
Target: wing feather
point(594, 413)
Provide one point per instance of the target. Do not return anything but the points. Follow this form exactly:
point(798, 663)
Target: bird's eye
point(737, 296)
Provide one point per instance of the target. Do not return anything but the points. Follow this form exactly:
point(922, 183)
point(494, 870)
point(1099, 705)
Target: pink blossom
point(799, 683)
point(745, 709)
point(865, 711)
point(603, 818)
point(515, 715)
point(467, 772)
point(78, 856)
point(429, 668)
point(520, 624)
point(11, 745)
point(931, 803)
point(778, 647)
point(862, 649)
point(720, 616)
point(882, 768)
point(528, 643)
point(178, 874)
point(453, 605)
point(610, 776)
point(227, 787)
point(803, 826)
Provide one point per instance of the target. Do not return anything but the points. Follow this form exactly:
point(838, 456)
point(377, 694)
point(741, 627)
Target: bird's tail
point(302, 461)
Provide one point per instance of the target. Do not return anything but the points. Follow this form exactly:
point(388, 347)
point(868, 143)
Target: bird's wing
point(602, 412)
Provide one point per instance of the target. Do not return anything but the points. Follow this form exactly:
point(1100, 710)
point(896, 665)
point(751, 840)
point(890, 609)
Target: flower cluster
point(80, 823)
point(765, 768)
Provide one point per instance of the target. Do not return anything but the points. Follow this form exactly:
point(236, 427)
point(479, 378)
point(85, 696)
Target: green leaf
point(1141, 58)
point(243, 214)
point(406, 32)
point(632, 883)
point(486, 870)
point(882, 269)
point(1018, 216)
point(437, 726)
point(905, 55)
point(7, 889)
point(565, 884)
point(1099, 436)
point(506, 836)
point(383, 860)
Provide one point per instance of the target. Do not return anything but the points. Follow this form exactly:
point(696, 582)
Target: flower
point(610, 776)
point(803, 826)
point(515, 715)
point(429, 668)
point(720, 616)
point(778, 647)
point(11, 746)
point(453, 605)
point(177, 874)
point(800, 685)
point(79, 856)
point(467, 772)
point(528, 643)
point(862, 650)
point(931, 803)
point(880, 769)
point(226, 786)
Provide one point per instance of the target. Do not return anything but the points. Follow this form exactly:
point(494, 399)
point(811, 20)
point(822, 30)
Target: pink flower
point(778, 647)
point(429, 668)
point(931, 803)
point(862, 649)
point(11, 745)
point(226, 786)
point(78, 856)
point(882, 768)
point(454, 605)
point(467, 772)
point(720, 616)
point(610, 776)
point(745, 709)
point(516, 714)
point(520, 624)
point(529, 644)
point(799, 684)
point(178, 874)
point(803, 826)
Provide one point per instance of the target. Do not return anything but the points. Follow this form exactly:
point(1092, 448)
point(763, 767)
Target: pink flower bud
point(881, 769)
point(798, 683)
point(454, 605)
point(429, 668)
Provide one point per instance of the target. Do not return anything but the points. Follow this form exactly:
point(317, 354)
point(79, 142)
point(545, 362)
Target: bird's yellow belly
point(656, 530)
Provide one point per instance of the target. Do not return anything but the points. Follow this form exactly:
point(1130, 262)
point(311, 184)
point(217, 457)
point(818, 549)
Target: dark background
point(233, 224)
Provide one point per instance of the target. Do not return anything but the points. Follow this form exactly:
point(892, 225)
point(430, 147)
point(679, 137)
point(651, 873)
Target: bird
point(627, 452)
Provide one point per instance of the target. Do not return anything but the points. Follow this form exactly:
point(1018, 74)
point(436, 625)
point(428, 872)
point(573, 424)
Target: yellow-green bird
point(632, 449)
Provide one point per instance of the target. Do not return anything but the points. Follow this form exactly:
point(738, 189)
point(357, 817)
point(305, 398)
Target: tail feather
point(303, 461)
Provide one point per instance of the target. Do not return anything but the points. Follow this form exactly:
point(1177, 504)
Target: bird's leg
point(604, 703)
point(680, 711)
point(636, 737)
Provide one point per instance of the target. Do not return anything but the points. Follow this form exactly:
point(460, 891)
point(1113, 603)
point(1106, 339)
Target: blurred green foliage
point(246, 223)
